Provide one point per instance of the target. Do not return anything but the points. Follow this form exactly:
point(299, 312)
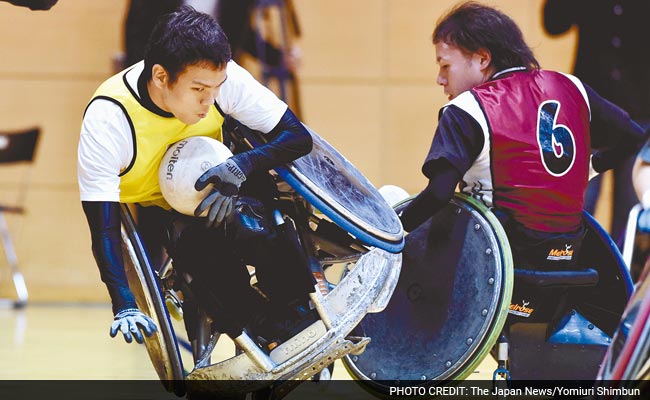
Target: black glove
point(130, 321)
point(226, 178)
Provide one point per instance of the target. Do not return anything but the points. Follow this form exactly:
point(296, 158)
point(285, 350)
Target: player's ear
point(485, 58)
point(159, 76)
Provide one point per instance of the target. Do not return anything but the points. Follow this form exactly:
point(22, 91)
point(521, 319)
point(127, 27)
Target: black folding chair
point(16, 154)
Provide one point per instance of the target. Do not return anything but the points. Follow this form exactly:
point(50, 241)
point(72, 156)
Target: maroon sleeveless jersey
point(538, 124)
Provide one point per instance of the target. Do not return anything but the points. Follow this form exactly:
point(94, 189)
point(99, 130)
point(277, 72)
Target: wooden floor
point(71, 342)
point(44, 341)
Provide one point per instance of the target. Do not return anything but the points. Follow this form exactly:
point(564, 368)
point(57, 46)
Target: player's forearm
point(616, 136)
point(104, 222)
point(290, 141)
point(434, 197)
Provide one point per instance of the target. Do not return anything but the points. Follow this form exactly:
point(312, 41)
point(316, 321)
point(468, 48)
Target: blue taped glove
point(129, 322)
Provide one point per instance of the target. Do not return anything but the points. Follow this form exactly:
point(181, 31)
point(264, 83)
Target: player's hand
point(130, 322)
point(293, 58)
point(226, 178)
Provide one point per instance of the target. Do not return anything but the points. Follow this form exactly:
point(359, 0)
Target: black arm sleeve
point(104, 222)
point(614, 135)
point(434, 197)
point(289, 140)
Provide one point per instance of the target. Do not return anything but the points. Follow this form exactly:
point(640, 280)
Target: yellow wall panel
point(53, 245)
point(74, 37)
point(349, 117)
point(56, 106)
point(411, 54)
point(411, 122)
point(552, 53)
point(53, 61)
point(342, 39)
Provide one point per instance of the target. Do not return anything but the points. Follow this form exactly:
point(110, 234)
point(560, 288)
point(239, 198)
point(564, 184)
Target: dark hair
point(471, 26)
point(185, 37)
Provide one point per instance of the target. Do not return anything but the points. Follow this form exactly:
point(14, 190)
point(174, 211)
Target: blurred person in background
point(141, 17)
point(237, 20)
point(612, 57)
point(267, 30)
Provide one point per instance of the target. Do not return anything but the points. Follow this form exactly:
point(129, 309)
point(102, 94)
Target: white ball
point(393, 194)
point(183, 163)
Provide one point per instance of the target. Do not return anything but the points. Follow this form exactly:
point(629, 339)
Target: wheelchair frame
point(366, 287)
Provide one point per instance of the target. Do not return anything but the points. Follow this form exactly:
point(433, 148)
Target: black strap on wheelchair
point(229, 124)
point(240, 136)
point(585, 277)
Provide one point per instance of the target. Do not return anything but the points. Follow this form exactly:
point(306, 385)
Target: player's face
point(459, 71)
point(190, 97)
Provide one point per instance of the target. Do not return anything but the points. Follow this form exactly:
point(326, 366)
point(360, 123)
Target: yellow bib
point(152, 135)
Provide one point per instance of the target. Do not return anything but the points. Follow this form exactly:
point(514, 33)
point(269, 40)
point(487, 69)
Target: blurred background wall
point(367, 83)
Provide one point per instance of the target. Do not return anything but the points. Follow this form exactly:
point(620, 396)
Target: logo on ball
point(183, 163)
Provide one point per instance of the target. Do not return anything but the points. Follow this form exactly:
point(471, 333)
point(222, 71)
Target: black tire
point(161, 346)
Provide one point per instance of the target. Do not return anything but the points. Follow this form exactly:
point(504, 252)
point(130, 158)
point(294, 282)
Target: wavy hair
point(471, 26)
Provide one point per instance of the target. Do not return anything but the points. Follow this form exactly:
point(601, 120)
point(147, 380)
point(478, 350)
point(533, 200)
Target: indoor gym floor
point(44, 341)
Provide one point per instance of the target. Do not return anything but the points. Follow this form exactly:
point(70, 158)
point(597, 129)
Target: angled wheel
point(451, 301)
point(143, 281)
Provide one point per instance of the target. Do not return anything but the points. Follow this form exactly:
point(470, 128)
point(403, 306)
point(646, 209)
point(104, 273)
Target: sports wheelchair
point(453, 303)
point(343, 225)
point(628, 358)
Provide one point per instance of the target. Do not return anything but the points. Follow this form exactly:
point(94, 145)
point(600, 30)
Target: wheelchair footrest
point(327, 357)
point(530, 349)
point(337, 349)
point(365, 289)
point(573, 328)
point(298, 343)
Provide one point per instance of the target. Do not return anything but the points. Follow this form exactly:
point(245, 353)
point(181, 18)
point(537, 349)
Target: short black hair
point(471, 26)
point(185, 37)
